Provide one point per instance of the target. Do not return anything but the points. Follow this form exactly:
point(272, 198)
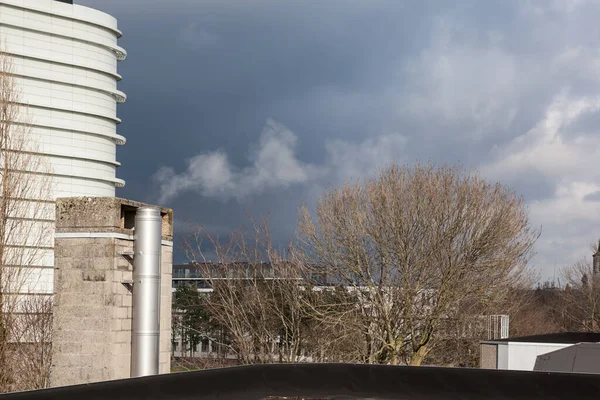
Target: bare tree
point(256, 293)
point(419, 246)
point(31, 353)
point(334, 333)
point(537, 311)
point(581, 296)
point(458, 339)
point(26, 213)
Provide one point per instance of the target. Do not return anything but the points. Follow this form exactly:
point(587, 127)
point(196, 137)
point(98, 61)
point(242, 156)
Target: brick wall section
point(92, 308)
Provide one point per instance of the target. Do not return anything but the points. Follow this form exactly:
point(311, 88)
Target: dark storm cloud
point(508, 87)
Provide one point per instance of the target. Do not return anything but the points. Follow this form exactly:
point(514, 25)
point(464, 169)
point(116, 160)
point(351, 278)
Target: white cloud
point(555, 149)
point(546, 149)
point(212, 175)
point(579, 60)
point(532, 96)
point(568, 205)
point(457, 79)
point(350, 161)
point(275, 165)
point(543, 7)
point(594, 196)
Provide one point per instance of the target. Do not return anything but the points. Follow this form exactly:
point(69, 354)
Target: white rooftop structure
point(521, 353)
point(580, 358)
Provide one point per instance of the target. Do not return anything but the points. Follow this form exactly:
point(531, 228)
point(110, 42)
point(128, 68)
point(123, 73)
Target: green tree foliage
point(191, 319)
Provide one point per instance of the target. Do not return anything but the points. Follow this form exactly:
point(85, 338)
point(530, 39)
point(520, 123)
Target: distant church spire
point(596, 258)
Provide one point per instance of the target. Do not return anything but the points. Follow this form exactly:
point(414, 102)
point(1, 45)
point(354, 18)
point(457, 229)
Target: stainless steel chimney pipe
point(146, 292)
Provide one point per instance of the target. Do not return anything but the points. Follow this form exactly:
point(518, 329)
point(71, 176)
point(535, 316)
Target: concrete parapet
point(103, 215)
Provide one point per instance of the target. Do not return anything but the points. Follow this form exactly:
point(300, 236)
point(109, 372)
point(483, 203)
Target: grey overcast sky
point(260, 105)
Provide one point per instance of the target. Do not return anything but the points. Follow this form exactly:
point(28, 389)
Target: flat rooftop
point(334, 381)
point(561, 337)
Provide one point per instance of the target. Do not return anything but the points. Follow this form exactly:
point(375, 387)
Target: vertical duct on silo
point(146, 292)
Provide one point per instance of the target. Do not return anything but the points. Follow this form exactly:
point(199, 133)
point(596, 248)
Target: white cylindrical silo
point(65, 65)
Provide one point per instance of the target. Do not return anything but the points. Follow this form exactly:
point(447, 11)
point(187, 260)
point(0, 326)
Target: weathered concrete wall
point(489, 356)
point(165, 309)
point(92, 308)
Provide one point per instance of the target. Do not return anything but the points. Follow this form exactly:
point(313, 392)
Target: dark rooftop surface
point(334, 381)
point(562, 337)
